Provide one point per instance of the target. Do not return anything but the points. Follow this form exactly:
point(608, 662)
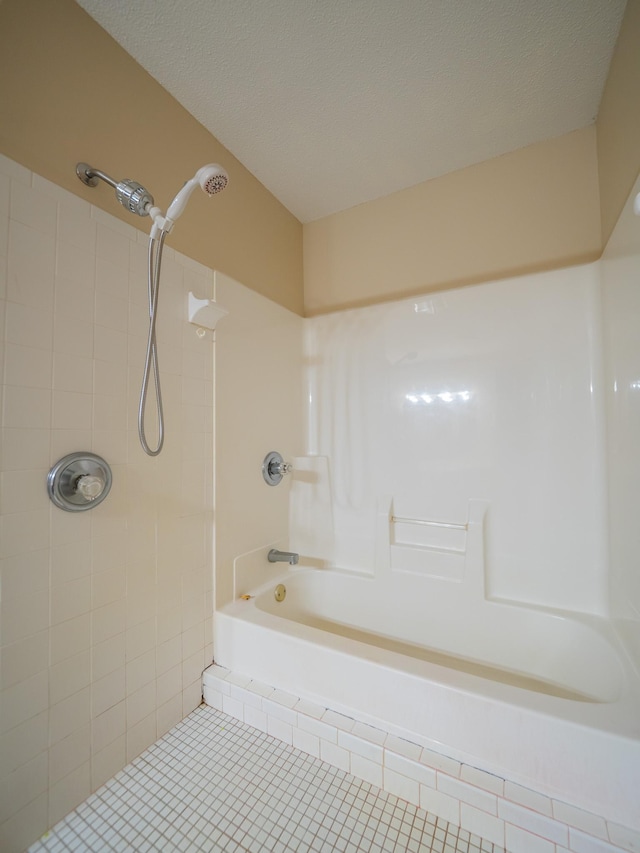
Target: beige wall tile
point(69, 792)
point(141, 638)
point(33, 209)
point(169, 714)
point(111, 311)
point(23, 449)
point(108, 727)
point(191, 697)
point(141, 704)
point(26, 825)
point(69, 715)
point(65, 441)
point(23, 785)
point(169, 684)
point(21, 491)
point(27, 366)
point(24, 700)
point(71, 410)
point(70, 637)
point(107, 691)
point(72, 334)
point(168, 654)
point(193, 640)
point(108, 621)
point(26, 408)
point(72, 373)
point(141, 735)
point(31, 264)
point(75, 225)
point(70, 561)
point(69, 754)
point(141, 671)
point(108, 586)
point(192, 669)
point(75, 298)
point(113, 279)
point(24, 658)
point(108, 656)
point(23, 615)
point(22, 532)
point(24, 742)
point(71, 599)
point(30, 323)
point(108, 551)
point(69, 676)
point(70, 527)
point(113, 244)
point(108, 761)
point(25, 573)
point(125, 586)
point(75, 264)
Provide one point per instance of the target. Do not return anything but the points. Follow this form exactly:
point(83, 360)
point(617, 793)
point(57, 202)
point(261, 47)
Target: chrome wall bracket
point(79, 481)
point(274, 468)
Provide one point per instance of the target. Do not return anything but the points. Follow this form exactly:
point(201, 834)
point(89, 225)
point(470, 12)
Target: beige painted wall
point(549, 205)
point(69, 92)
point(532, 209)
point(619, 122)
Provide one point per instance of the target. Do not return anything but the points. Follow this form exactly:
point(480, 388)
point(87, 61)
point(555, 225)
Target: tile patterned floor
point(215, 784)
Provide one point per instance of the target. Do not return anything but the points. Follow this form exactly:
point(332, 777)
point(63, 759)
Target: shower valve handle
point(90, 486)
point(274, 468)
point(281, 468)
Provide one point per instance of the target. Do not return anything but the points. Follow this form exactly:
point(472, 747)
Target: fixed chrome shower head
point(212, 179)
point(132, 195)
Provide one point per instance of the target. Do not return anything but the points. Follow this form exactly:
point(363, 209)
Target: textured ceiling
point(330, 103)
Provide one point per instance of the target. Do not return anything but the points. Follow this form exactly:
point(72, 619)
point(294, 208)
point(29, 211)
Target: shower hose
point(151, 360)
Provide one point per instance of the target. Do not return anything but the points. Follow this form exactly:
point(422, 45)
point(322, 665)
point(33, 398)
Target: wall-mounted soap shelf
point(205, 313)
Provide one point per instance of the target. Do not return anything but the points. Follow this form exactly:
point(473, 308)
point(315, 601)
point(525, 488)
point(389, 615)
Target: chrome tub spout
point(275, 556)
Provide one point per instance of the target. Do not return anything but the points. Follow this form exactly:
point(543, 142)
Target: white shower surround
point(490, 397)
point(491, 393)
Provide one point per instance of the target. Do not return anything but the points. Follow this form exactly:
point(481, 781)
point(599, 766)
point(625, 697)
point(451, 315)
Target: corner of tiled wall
point(106, 615)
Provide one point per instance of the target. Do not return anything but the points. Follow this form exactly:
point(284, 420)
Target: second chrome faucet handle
point(274, 468)
point(282, 468)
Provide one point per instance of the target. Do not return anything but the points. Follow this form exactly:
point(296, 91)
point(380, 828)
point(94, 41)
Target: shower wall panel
point(490, 394)
point(621, 301)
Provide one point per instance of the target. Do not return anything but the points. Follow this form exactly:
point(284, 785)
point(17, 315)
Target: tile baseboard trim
point(517, 818)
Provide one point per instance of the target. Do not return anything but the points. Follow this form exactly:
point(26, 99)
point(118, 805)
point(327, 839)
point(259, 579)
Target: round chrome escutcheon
point(79, 481)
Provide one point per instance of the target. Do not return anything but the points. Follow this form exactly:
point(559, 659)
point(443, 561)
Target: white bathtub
point(545, 699)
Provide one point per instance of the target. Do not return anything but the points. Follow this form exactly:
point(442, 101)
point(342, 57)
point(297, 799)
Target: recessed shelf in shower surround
point(205, 312)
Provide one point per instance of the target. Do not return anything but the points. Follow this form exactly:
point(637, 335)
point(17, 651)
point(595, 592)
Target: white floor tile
point(215, 783)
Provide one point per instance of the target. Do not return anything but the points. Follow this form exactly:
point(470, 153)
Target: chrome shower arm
point(130, 194)
point(89, 176)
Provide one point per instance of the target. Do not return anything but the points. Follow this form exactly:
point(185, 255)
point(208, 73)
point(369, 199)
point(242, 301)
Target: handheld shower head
point(212, 179)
